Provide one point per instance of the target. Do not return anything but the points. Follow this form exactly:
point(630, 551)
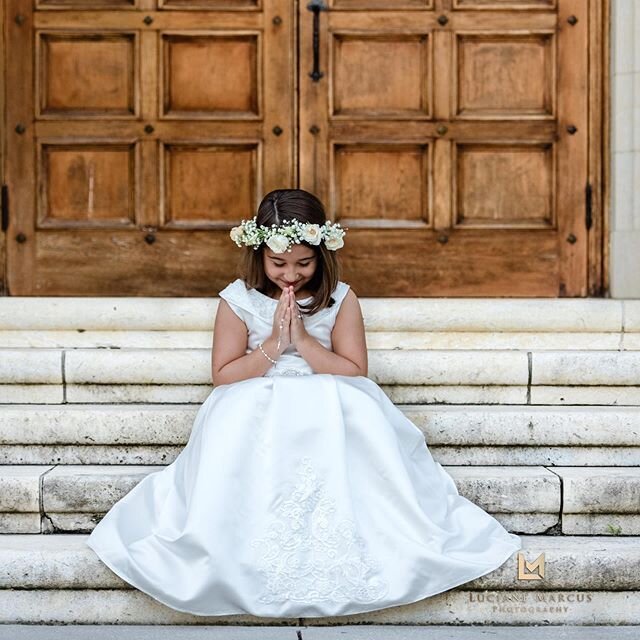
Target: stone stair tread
point(401, 314)
point(525, 499)
point(388, 339)
point(420, 367)
point(63, 561)
point(454, 607)
point(95, 488)
point(345, 632)
point(460, 425)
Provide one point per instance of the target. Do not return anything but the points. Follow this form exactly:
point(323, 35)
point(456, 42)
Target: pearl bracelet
point(265, 354)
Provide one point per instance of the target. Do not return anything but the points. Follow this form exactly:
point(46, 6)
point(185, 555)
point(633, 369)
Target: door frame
point(599, 148)
point(3, 140)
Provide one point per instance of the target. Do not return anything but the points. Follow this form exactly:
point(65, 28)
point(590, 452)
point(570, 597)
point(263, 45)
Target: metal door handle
point(316, 6)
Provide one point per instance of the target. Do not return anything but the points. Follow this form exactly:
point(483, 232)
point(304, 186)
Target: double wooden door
point(451, 138)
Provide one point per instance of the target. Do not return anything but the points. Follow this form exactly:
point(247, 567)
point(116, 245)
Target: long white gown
point(298, 495)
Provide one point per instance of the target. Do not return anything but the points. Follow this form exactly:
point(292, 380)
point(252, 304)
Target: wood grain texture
point(148, 135)
point(573, 83)
point(20, 160)
point(509, 81)
point(443, 147)
point(502, 267)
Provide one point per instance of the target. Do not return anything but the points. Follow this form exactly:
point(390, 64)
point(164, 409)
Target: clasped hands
point(288, 327)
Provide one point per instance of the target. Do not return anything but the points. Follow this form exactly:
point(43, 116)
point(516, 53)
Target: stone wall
point(625, 149)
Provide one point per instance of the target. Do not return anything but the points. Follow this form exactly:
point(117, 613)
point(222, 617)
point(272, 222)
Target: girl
point(303, 490)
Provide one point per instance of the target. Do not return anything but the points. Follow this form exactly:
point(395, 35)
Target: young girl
point(303, 490)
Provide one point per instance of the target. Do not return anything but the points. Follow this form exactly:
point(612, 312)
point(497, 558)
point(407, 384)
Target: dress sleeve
point(339, 294)
point(236, 296)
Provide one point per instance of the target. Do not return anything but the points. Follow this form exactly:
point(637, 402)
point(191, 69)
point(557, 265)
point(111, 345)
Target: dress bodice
point(256, 310)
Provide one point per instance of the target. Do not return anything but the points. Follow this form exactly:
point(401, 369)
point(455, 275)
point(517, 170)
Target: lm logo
point(530, 570)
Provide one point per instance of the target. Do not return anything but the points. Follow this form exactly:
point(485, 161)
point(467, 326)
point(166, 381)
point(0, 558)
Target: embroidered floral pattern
point(307, 556)
point(263, 305)
point(274, 371)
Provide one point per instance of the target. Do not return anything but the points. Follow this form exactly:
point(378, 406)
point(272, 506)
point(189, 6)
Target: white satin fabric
point(298, 495)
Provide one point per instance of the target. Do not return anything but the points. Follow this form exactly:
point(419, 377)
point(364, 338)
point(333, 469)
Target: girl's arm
point(229, 360)
point(349, 355)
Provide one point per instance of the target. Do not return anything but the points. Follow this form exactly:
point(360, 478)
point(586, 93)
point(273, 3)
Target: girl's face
point(295, 268)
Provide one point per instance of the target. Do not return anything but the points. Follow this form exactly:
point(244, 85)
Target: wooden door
point(139, 131)
point(451, 138)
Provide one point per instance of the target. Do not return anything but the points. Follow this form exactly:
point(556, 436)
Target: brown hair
point(277, 207)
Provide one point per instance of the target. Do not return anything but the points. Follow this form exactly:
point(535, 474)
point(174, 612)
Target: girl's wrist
point(269, 345)
point(265, 354)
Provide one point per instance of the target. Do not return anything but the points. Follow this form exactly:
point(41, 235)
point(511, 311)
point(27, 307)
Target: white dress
point(298, 495)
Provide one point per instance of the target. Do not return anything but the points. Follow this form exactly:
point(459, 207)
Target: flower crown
point(280, 238)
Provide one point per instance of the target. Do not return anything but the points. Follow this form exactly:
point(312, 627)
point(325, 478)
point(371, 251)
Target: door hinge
point(588, 208)
point(4, 203)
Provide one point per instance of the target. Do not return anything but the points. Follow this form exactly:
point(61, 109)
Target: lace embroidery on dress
point(263, 305)
point(274, 371)
point(306, 556)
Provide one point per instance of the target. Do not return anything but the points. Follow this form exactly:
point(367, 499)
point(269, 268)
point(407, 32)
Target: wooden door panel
point(385, 184)
point(86, 184)
point(149, 134)
point(208, 4)
point(87, 5)
point(502, 75)
point(504, 4)
point(501, 264)
point(64, 257)
point(187, 202)
point(228, 81)
point(476, 158)
point(86, 75)
point(504, 186)
point(380, 76)
point(392, 5)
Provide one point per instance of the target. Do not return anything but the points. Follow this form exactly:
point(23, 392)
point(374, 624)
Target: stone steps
point(587, 580)
point(576, 315)
point(455, 607)
point(54, 376)
point(390, 323)
point(525, 499)
point(532, 406)
point(436, 351)
point(455, 434)
point(534, 340)
point(306, 632)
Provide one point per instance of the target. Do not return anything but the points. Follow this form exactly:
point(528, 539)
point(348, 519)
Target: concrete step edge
point(454, 425)
point(388, 338)
point(344, 632)
point(406, 314)
point(388, 367)
point(528, 499)
point(59, 561)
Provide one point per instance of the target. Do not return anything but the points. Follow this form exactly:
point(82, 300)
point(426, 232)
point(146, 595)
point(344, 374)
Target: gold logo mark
point(530, 570)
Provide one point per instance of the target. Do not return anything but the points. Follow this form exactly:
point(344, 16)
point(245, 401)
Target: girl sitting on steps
point(303, 490)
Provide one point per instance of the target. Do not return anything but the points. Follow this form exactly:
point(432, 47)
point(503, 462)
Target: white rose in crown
point(236, 234)
point(278, 243)
point(312, 234)
point(334, 242)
